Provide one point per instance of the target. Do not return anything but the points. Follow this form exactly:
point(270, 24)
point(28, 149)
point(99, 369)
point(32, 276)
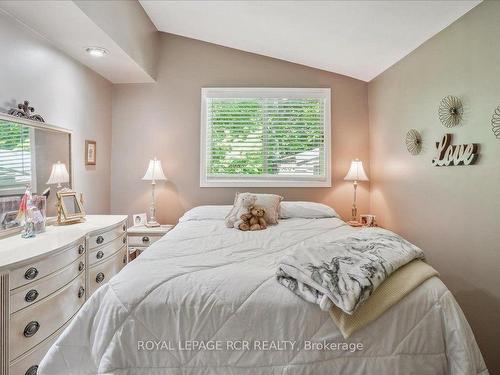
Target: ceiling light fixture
point(96, 51)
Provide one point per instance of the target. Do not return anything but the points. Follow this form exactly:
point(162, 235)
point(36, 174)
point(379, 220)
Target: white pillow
point(206, 213)
point(306, 210)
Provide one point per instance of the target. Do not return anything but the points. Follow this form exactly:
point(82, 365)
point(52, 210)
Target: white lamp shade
point(59, 174)
point(154, 172)
point(356, 172)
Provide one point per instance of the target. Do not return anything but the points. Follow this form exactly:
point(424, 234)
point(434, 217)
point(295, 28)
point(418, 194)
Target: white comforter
point(206, 285)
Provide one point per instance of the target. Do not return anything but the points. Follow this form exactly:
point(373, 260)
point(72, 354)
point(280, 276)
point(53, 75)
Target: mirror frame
point(47, 127)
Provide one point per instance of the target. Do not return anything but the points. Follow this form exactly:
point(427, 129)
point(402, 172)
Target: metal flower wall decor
point(413, 142)
point(495, 122)
point(451, 111)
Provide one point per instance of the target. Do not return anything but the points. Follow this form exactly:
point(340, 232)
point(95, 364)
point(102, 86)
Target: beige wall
point(451, 212)
point(163, 120)
point(66, 94)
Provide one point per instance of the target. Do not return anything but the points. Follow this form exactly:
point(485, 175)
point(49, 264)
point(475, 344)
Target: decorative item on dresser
point(69, 208)
point(44, 281)
point(140, 237)
point(153, 174)
point(356, 173)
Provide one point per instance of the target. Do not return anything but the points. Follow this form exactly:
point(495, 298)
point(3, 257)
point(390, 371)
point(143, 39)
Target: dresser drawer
point(30, 360)
point(103, 272)
point(30, 326)
point(142, 240)
point(108, 236)
point(100, 253)
point(35, 271)
point(37, 291)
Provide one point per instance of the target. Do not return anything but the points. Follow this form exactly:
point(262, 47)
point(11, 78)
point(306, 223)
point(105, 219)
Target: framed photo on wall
point(90, 152)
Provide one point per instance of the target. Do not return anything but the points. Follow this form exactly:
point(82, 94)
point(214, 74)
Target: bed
point(205, 300)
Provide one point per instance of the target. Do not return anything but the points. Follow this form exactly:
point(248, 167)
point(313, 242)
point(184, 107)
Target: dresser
point(45, 280)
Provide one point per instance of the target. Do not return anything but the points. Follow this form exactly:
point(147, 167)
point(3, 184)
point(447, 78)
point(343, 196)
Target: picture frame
point(69, 208)
point(90, 152)
point(139, 219)
point(368, 220)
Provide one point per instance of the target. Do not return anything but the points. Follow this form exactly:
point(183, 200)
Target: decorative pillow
point(306, 210)
point(270, 203)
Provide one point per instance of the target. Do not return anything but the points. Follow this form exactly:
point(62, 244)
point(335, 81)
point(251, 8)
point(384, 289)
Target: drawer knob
point(81, 249)
point(31, 328)
point(124, 239)
point(81, 292)
point(145, 239)
point(99, 278)
point(81, 266)
point(32, 370)
point(124, 227)
point(31, 295)
point(31, 273)
point(99, 240)
point(99, 254)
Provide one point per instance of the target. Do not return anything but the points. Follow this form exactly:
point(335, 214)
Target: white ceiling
point(360, 39)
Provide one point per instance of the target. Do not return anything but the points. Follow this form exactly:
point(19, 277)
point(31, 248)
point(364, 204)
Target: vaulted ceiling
point(360, 39)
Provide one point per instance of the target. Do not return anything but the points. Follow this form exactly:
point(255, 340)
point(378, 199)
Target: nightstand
point(140, 237)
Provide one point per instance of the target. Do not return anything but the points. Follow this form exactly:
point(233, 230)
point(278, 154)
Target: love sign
point(451, 155)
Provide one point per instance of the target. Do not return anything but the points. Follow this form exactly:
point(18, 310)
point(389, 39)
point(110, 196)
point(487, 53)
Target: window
point(253, 137)
point(16, 158)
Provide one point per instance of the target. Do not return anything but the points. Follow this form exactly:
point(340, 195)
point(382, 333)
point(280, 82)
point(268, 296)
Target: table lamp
point(356, 173)
point(59, 175)
point(153, 174)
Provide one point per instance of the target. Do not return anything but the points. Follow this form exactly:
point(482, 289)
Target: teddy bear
point(254, 220)
point(242, 206)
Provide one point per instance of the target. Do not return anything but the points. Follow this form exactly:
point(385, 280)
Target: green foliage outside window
point(13, 136)
point(255, 137)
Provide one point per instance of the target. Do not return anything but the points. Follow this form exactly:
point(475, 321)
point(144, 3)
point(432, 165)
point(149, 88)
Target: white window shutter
point(265, 137)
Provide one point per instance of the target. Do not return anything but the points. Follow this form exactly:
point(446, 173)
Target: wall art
point(451, 111)
point(413, 142)
point(448, 155)
point(495, 122)
point(90, 152)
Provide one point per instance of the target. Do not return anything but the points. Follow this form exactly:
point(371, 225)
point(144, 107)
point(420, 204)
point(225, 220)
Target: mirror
point(28, 150)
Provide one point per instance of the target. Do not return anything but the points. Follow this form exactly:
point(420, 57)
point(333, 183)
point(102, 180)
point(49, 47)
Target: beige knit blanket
point(390, 292)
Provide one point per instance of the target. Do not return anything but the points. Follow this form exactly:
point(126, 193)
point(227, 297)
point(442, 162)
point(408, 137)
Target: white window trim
point(261, 181)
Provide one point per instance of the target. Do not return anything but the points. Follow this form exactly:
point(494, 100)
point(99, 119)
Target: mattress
point(205, 300)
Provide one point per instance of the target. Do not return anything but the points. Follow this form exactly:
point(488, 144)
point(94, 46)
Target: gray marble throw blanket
point(346, 271)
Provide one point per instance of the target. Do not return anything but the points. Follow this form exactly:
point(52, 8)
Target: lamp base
point(152, 224)
point(354, 223)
